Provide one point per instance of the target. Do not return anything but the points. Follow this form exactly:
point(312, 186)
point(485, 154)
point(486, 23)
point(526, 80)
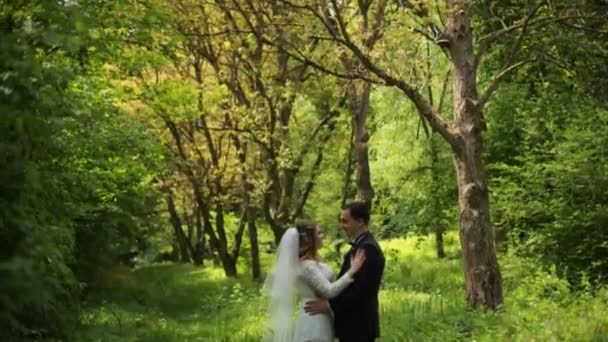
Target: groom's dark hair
point(358, 211)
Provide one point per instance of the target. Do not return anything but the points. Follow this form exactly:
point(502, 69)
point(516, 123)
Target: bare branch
point(216, 34)
point(419, 10)
point(301, 57)
point(496, 81)
point(586, 29)
point(439, 14)
point(486, 41)
point(376, 32)
point(326, 121)
point(309, 185)
point(422, 104)
point(484, 45)
point(444, 89)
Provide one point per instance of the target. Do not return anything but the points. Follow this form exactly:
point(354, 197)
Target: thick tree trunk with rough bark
point(482, 274)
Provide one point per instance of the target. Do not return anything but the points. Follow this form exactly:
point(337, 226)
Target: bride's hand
point(356, 262)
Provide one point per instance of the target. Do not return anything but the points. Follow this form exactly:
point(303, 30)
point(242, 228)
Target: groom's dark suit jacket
point(356, 316)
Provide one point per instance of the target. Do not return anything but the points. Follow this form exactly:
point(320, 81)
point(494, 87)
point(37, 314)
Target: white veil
point(280, 286)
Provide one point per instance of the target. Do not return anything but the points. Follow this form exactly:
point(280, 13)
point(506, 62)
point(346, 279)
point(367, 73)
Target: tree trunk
point(229, 266)
point(436, 210)
point(228, 261)
point(370, 30)
point(359, 110)
point(219, 244)
point(439, 244)
point(256, 271)
point(482, 275)
point(180, 237)
point(199, 246)
point(358, 105)
point(348, 172)
point(247, 209)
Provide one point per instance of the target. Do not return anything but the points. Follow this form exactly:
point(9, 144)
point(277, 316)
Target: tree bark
point(359, 106)
point(435, 201)
point(180, 237)
point(439, 244)
point(482, 274)
point(187, 220)
point(348, 170)
point(359, 100)
point(199, 246)
point(247, 209)
point(256, 270)
point(228, 263)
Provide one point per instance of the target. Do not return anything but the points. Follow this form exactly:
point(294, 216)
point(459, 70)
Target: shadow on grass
point(169, 302)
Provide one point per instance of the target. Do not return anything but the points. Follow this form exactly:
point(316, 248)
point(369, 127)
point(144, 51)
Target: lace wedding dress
point(311, 279)
point(314, 281)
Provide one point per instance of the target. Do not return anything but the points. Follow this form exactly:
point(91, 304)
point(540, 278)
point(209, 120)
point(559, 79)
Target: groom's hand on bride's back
point(317, 306)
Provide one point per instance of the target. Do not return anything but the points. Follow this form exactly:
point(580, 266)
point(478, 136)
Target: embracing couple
point(346, 308)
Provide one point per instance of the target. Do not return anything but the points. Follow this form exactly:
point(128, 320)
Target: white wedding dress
point(314, 281)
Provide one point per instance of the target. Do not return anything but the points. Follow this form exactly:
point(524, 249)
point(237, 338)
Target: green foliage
point(545, 153)
point(58, 173)
point(549, 181)
point(38, 290)
point(114, 162)
point(412, 173)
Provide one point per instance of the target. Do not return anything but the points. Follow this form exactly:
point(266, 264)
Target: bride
point(298, 267)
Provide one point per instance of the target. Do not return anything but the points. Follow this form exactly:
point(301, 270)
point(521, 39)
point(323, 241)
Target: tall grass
point(422, 299)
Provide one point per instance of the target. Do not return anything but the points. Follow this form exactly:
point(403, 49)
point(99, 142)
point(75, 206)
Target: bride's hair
point(307, 232)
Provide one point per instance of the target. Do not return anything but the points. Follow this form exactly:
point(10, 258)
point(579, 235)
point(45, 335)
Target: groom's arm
point(367, 280)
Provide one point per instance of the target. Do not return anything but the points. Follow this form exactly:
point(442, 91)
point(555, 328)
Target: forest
point(153, 153)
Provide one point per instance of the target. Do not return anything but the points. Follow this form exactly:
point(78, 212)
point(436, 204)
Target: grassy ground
point(421, 300)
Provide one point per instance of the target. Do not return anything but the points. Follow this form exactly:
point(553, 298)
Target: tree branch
point(422, 104)
point(496, 81)
point(309, 185)
point(486, 41)
point(376, 32)
point(484, 45)
point(302, 58)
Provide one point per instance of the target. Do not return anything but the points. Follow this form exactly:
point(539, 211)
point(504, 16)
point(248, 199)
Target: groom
point(356, 317)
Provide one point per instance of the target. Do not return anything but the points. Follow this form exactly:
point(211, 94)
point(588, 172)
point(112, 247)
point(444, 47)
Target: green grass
point(422, 299)
point(173, 303)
